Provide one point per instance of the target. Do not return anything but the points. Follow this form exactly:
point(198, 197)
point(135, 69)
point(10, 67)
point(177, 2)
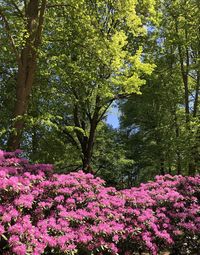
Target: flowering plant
point(42, 212)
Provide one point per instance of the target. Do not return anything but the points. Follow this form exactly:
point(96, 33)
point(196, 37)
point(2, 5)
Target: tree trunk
point(195, 149)
point(87, 153)
point(23, 89)
point(185, 82)
point(177, 131)
point(196, 99)
point(184, 66)
point(162, 166)
point(86, 142)
point(34, 14)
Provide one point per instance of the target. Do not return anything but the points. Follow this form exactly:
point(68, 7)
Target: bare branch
point(117, 97)
point(105, 110)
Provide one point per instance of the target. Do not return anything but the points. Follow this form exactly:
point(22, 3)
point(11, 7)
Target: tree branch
point(117, 97)
point(40, 23)
point(18, 10)
point(59, 5)
point(71, 138)
point(105, 110)
point(62, 169)
point(8, 31)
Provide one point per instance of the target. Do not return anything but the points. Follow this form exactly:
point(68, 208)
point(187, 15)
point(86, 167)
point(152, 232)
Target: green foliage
point(161, 127)
point(92, 60)
point(143, 54)
point(110, 160)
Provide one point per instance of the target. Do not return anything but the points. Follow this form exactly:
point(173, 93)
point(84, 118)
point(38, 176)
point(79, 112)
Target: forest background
point(65, 64)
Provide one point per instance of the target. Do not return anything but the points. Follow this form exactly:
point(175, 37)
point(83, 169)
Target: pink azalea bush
point(42, 212)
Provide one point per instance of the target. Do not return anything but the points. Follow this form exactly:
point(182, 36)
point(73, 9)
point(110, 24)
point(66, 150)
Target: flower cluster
point(43, 212)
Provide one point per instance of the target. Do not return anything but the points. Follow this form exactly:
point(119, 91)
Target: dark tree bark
point(26, 60)
point(88, 146)
point(87, 142)
point(162, 166)
point(196, 99)
point(177, 132)
point(184, 72)
point(184, 67)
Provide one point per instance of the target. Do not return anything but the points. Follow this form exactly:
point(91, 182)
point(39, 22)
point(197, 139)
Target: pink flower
point(75, 210)
point(2, 230)
point(20, 249)
point(6, 217)
point(115, 238)
point(1, 155)
point(13, 240)
point(25, 200)
point(16, 228)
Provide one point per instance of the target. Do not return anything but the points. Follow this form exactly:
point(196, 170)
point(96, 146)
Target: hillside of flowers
point(42, 212)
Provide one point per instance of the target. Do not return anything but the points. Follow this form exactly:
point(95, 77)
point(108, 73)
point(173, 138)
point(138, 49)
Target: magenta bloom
point(43, 212)
point(20, 249)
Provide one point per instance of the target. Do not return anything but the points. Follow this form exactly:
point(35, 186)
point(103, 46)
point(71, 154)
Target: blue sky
point(113, 117)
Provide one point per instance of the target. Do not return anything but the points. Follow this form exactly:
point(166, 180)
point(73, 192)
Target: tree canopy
point(64, 63)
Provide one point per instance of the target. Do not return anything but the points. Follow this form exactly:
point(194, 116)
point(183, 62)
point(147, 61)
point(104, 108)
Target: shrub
point(46, 213)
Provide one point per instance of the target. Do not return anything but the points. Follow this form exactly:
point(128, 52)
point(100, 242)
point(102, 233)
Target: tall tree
point(162, 125)
point(23, 22)
point(181, 26)
point(99, 62)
